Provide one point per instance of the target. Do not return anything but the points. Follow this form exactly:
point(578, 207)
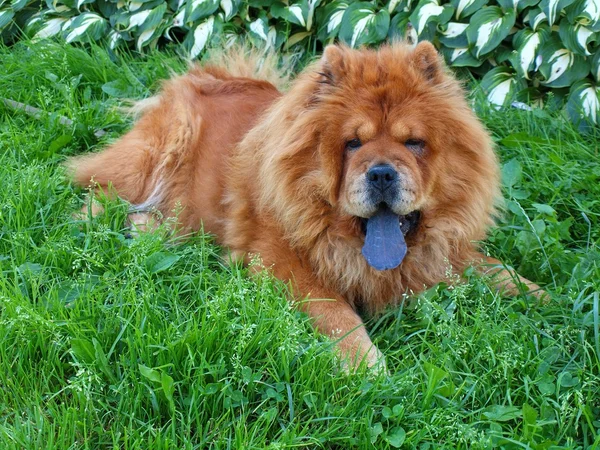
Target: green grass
point(107, 342)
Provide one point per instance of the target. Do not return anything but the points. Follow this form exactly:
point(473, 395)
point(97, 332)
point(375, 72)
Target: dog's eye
point(415, 145)
point(354, 144)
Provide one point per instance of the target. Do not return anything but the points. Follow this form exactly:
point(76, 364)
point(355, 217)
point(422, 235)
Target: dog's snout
point(382, 176)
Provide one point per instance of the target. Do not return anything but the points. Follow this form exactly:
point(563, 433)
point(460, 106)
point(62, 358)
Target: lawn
point(154, 343)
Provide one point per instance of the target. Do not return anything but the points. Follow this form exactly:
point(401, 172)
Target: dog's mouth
point(385, 231)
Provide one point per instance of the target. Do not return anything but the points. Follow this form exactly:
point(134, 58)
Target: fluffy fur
point(271, 174)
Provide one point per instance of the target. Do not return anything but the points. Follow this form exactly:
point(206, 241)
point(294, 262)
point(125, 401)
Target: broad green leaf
point(583, 104)
point(200, 9)
point(502, 413)
point(149, 373)
point(83, 350)
point(501, 85)
point(553, 8)
point(5, 17)
point(168, 386)
point(330, 18)
point(527, 44)
point(159, 261)
point(586, 13)
point(595, 63)
point(18, 5)
point(86, 27)
point(362, 25)
point(488, 27)
point(561, 67)
point(394, 5)
point(295, 38)
point(396, 437)
point(399, 25)
point(454, 34)
point(51, 28)
point(465, 8)
point(430, 12)
point(460, 57)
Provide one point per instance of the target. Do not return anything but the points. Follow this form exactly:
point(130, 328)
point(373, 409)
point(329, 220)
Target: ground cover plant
point(109, 342)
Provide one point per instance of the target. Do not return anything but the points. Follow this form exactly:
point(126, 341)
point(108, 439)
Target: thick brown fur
point(270, 175)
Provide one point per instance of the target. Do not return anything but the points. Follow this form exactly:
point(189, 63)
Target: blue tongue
point(385, 247)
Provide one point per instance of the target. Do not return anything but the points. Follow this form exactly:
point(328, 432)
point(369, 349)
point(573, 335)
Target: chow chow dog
point(368, 179)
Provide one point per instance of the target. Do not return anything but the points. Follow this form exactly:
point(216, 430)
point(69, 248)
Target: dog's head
point(398, 138)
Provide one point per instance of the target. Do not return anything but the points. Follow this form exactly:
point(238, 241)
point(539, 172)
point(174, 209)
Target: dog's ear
point(427, 60)
point(332, 65)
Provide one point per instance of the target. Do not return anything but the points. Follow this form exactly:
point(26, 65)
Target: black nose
point(382, 176)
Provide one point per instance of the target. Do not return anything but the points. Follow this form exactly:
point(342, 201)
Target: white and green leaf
point(488, 28)
point(585, 12)
point(577, 37)
point(296, 13)
point(330, 18)
point(535, 17)
point(361, 24)
point(560, 66)
point(465, 8)
point(454, 34)
point(583, 104)
point(501, 85)
point(199, 36)
point(230, 8)
point(259, 29)
point(18, 5)
point(430, 12)
point(460, 57)
point(553, 8)
point(517, 5)
point(527, 45)
point(86, 27)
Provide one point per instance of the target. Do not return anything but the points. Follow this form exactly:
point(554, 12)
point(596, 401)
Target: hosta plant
point(522, 48)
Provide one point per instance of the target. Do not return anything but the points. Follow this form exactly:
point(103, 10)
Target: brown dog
point(370, 178)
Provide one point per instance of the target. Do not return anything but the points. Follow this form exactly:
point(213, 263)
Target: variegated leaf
point(517, 5)
point(114, 39)
point(230, 8)
point(583, 105)
point(395, 4)
point(86, 27)
point(5, 18)
point(527, 44)
point(576, 37)
point(330, 19)
point(586, 13)
point(454, 35)
point(535, 17)
point(488, 27)
point(400, 25)
point(151, 21)
point(501, 84)
point(198, 37)
point(296, 13)
point(362, 25)
point(200, 9)
point(465, 8)
point(561, 67)
point(259, 29)
point(429, 12)
point(312, 5)
point(460, 57)
point(553, 8)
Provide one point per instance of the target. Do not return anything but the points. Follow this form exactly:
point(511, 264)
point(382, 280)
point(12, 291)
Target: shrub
point(524, 49)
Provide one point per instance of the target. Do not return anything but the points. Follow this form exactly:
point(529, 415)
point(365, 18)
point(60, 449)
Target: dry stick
point(37, 113)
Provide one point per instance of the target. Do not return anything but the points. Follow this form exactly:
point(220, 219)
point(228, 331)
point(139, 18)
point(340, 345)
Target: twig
point(37, 113)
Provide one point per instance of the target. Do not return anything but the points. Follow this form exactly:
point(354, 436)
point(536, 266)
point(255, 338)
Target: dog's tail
point(241, 59)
